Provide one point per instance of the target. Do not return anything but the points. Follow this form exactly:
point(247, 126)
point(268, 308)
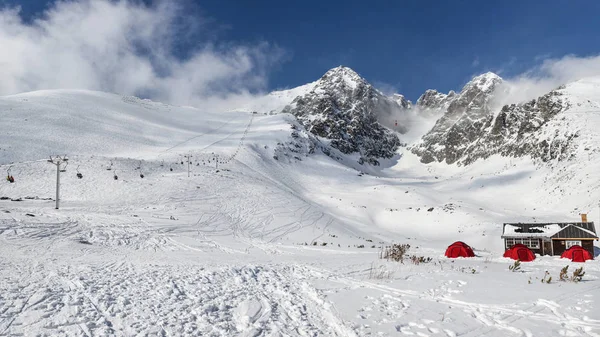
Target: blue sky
point(406, 46)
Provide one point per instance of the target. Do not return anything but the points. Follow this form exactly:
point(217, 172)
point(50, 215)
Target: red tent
point(520, 252)
point(459, 249)
point(577, 254)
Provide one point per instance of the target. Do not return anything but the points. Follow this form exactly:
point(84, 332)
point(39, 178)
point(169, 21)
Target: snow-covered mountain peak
point(465, 115)
point(402, 101)
point(433, 99)
point(481, 85)
point(346, 110)
point(342, 77)
point(486, 82)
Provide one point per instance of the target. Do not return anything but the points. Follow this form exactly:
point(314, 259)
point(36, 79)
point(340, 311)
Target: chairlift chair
point(115, 176)
point(9, 177)
point(79, 175)
point(64, 169)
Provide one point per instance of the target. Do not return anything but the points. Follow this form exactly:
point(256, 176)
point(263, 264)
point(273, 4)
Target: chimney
point(584, 217)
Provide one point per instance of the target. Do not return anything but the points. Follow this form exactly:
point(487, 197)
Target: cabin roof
point(556, 230)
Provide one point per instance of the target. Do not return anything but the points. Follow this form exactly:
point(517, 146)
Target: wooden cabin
point(550, 238)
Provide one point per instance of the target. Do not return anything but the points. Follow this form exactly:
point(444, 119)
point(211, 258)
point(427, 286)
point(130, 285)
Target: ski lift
point(64, 169)
point(139, 167)
point(115, 176)
point(79, 175)
point(110, 167)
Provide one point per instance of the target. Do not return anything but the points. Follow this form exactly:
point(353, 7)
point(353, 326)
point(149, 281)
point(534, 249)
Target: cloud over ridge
point(129, 48)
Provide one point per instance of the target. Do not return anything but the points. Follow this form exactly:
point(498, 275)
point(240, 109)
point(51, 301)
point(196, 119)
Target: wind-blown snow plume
point(549, 75)
point(129, 48)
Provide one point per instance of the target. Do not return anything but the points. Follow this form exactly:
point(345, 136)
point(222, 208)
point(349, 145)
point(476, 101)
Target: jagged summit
point(434, 100)
point(482, 84)
point(548, 128)
point(486, 82)
point(343, 76)
point(465, 115)
point(341, 70)
point(402, 101)
point(346, 110)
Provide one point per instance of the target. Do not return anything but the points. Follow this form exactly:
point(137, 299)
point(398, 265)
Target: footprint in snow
point(417, 325)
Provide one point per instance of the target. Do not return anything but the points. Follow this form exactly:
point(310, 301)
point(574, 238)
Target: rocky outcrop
point(471, 129)
point(434, 100)
point(516, 132)
point(402, 101)
point(463, 122)
point(346, 110)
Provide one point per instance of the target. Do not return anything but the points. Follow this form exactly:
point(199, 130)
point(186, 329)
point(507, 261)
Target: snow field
point(230, 253)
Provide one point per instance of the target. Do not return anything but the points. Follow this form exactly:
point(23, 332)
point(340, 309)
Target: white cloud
point(128, 48)
point(548, 75)
point(386, 88)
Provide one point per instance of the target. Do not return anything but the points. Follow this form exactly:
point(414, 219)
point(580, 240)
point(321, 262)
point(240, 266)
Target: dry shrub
point(394, 252)
point(420, 259)
point(380, 272)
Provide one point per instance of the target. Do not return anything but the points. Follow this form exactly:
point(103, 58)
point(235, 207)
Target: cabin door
point(547, 247)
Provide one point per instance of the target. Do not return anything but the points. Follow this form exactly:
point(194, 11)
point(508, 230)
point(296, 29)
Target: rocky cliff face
point(471, 129)
point(463, 122)
point(345, 109)
point(402, 101)
point(516, 131)
point(346, 113)
point(434, 100)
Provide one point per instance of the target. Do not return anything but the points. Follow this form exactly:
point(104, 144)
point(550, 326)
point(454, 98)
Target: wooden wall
point(560, 246)
point(588, 245)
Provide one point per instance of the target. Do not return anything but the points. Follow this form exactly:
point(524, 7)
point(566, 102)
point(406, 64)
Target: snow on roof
point(537, 231)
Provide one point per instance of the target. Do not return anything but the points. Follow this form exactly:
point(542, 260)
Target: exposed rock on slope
point(471, 130)
point(402, 101)
point(434, 100)
point(515, 131)
point(463, 123)
point(345, 108)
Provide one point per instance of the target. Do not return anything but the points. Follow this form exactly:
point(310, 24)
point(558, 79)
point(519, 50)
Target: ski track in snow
point(166, 300)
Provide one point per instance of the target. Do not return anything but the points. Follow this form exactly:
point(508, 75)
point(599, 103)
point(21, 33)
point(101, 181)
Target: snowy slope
point(229, 250)
point(275, 101)
point(41, 123)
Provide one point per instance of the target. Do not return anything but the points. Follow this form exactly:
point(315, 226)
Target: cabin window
point(530, 243)
point(571, 243)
